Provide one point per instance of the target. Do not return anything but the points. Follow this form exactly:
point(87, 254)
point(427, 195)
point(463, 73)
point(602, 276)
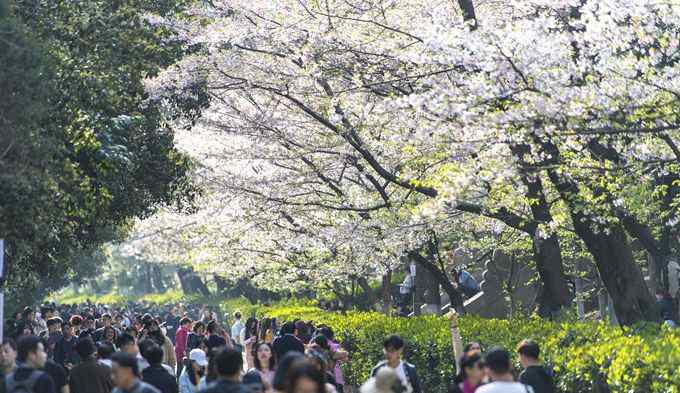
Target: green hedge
point(586, 357)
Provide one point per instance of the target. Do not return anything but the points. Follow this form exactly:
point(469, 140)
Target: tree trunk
point(387, 292)
point(370, 294)
point(554, 291)
point(184, 281)
point(441, 278)
point(221, 284)
point(610, 249)
point(158, 278)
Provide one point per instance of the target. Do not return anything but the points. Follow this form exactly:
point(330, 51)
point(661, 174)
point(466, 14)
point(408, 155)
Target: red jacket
point(181, 343)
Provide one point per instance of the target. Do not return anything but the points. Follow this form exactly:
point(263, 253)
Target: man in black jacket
point(89, 376)
point(534, 374)
point(393, 348)
point(228, 364)
point(32, 357)
point(155, 375)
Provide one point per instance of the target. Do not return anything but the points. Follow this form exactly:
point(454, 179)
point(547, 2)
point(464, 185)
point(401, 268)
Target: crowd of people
point(143, 348)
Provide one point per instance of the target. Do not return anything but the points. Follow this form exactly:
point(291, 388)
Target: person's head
point(185, 323)
point(393, 348)
point(237, 315)
point(8, 353)
point(199, 328)
point(305, 377)
point(154, 355)
point(253, 381)
point(251, 326)
point(28, 314)
point(386, 381)
point(529, 352)
point(54, 325)
point(104, 350)
point(128, 344)
point(107, 320)
point(85, 348)
point(67, 330)
point(31, 352)
point(281, 377)
point(228, 363)
point(326, 331)
point(321, 342)
point(212, 327)
point(471, 368)
point(472, 346)
point(264, 357)
point(109, 334)
point(76, 321)
point(497, 363)
point(124, 370)
point(288, 328)
point(118, 320)
point(199, 361)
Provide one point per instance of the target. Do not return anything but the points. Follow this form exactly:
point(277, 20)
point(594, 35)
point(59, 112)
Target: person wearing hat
point(193, 371)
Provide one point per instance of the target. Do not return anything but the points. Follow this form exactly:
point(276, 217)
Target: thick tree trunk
point(184, 281)
point(370, 295)
point(221, 284)
point(387, 292)
point(158, 279)
point(610, 249)
point(554, 291)
point(441, 278)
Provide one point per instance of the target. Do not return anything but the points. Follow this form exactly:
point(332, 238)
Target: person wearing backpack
point(535, 374)
point(28, 378)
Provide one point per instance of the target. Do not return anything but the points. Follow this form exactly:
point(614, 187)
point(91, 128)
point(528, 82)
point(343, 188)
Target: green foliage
point(583, 355)
point(82, 150)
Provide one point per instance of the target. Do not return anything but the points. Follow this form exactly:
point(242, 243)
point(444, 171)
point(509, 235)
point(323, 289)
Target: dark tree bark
point(441, 278)
point(191, 283)
point(554, 291)
point(158, 283)
point(370, 294)
point(610, 249)
point(221, 284)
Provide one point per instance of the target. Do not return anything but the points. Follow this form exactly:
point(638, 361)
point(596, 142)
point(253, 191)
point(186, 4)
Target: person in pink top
point(338, 355)
point(181, 342)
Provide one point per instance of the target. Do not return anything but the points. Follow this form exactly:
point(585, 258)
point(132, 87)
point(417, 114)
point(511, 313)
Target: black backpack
point(25, 386)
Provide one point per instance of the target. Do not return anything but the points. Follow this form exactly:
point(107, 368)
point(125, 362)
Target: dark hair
point(251, 328)
point(212, 326)
point(85, 348)
point(393, 341)
point(27, 345)
point(529, 349)
point(468, 360)
point(126, 360)
point(498, 360)
point(27, 311)
point(321, 341)
point(8, 341)
point(184, 321)
point(145, 344)
point(281, 376)
point(76, 320)
point(326, 331)
point(106, 315)
point(288, 328)
point(154, 355)
point(253, 380)
point(468, 346)
point(197, 325)
point(125, 339)
point(272, 360)
point(237, 315)
point(54, 321)
point(228, 362)
point(104, 350)
point(306, 369)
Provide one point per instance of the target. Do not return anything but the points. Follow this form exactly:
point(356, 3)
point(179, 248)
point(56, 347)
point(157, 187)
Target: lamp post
point(412, 268)
point(2, 290)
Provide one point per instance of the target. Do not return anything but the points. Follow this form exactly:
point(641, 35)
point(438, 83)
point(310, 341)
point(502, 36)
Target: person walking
point(65, 349)
point(236, 329)
point(156, 375)
point(470, 375)
point(89, 376)
point(181, 342)
point(499, 370)
point(393, 348)
point(535, 374)
point(287, 341)
point(8, 361)
point(126, 375)
point(228, 365)
point(194, 370)
point(29, 377)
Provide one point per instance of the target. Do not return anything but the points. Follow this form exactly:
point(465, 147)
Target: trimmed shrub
point(586, 356)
